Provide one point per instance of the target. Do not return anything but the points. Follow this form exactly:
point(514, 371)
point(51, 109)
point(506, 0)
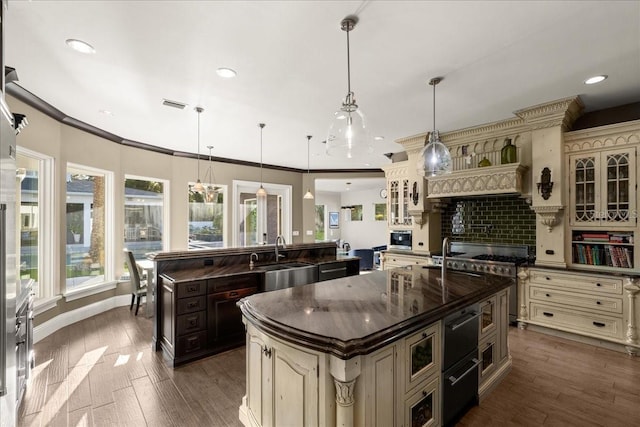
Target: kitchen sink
point(287, 275)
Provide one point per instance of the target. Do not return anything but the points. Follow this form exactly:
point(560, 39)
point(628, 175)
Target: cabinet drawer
point(191, 289)
point(422, 353)
point(488, 316)
point(190, 343)
point(423, 407)
point(577, 281)
point(572, 321)
point(488, 355)
point(601, 303)
point(238, 281)
point(333, 270)
point(190, 305)
point(192, 322)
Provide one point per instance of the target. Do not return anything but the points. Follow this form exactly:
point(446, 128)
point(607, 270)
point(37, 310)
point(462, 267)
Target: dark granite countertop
point(204, 273)
point(359, 314)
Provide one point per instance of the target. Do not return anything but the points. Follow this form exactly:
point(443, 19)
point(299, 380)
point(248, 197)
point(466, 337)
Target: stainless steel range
point(500, 260)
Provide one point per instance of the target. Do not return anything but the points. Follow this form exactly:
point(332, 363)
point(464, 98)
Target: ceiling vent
point(174, 104)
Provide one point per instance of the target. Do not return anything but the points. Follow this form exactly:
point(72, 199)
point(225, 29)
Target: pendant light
point(261, 191)
point(198, 187)
point(212, 188)
point(348, 134)
point(435, 158)
point(308, 194)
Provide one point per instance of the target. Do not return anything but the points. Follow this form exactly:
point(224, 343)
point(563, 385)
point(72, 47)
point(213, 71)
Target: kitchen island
point(369, 350)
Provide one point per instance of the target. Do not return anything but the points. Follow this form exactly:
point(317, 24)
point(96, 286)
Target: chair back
point(134, 273)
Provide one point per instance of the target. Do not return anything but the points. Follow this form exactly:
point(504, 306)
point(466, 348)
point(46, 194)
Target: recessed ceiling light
point(106, 112)
point(378, 138)
point(80, 46)
point(595, 79)
point(367, 164)
point(226, 73)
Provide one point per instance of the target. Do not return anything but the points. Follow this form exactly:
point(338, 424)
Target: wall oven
point(400, 239)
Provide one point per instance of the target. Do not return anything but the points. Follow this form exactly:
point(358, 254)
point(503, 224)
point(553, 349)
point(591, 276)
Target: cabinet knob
point(424, 335)
point(267, 351)
point(548, 278)
point(424, 393)
point(548, 295)
point(598, 284)
point(598, 302)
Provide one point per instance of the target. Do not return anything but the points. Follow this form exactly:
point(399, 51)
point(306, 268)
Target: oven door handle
point(454, 380)
point(455, 326)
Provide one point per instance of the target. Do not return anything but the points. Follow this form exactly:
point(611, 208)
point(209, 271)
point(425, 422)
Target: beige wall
point(68, 144)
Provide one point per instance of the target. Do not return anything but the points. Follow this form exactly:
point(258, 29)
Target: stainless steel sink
point(287, 275)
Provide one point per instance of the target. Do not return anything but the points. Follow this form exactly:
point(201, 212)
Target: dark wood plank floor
point(102, 371)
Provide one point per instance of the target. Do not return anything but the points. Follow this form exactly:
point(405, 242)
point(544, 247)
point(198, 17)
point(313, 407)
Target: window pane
point(85, 225)
point(380, 211)
point(356, 213)
point(143, 216)
point(29, 218)
point(320, 233)
point(206, 217)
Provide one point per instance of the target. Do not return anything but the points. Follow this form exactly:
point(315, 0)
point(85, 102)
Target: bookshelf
point(603, 249)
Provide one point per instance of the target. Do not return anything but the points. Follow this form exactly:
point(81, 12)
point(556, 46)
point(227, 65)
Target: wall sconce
point(545, 185)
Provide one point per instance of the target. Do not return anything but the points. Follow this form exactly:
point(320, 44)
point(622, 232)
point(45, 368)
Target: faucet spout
point(280, 240)
point(251, 257)
point(445, 250)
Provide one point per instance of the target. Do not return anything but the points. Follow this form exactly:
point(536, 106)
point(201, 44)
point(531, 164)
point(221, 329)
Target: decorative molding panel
point(503, 179)
point(562, 112)
point(616, 135)
point(549, 215)
point(400, 169)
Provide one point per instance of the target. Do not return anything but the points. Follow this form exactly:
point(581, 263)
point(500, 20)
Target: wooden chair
point(138, 286)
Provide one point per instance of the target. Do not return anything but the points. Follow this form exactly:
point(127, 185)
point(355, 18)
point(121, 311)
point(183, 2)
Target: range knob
point(463, 266)
point(455, 265)
point(500, 270)
point(493, 269)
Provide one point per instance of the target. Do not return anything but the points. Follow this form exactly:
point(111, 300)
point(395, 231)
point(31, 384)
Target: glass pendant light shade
point(198, 187)
point(348, 135)
point(435, 158)
point(261, 191)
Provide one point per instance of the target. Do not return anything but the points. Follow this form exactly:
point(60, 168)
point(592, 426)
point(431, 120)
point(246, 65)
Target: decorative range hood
point(502, 179)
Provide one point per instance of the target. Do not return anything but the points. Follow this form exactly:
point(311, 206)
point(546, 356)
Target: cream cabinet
point(401, 382)
point(282, 383)
point(493, 349)
point(394, 259)
point(592, 305)
point(603, 209)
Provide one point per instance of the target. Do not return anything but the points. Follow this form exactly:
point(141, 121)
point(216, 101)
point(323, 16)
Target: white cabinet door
point(259, 371)
point(295, 387)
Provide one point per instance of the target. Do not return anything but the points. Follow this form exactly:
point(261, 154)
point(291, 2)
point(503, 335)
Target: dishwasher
point(459, 363)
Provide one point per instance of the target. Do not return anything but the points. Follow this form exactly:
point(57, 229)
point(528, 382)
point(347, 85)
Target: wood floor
point(102, 371)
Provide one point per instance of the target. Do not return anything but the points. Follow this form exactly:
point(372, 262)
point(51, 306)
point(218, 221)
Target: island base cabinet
point(282, 383)
point(422, 409)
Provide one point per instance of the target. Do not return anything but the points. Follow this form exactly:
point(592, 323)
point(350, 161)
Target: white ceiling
point(352, 184)
point(496, 57)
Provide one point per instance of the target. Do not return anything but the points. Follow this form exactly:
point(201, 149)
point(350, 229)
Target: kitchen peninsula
point(375, 349)
point(196, 314)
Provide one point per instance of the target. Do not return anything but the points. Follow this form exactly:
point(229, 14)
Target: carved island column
point(632, 287)
point(345, 374)
point(523, 278)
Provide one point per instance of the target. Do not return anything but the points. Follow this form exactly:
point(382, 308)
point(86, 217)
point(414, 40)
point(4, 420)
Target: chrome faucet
point(445, 250)
point(253, 254)
point(279, 239)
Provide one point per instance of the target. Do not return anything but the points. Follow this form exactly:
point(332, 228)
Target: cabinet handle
point(548, 295)
point(267, 351)
point(547, 314)
point(193, 321)
point(598, 302)
point(547, 277)
point(233, 294)
point(191, 288)
point(193, 304)
point(598, 284)
point(599, 324)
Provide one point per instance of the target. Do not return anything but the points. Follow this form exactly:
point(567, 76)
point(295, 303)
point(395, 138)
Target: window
point(88, 227)
point(143, 215)
point(356, 213)
point(259, 220)
point(320, 223)
point(36, 221)
point(206, 216)
point(380, 211)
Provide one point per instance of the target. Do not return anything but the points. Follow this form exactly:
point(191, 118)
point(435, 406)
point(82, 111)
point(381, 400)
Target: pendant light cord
point(308, 144)
point(348, 63)
point(261, 127)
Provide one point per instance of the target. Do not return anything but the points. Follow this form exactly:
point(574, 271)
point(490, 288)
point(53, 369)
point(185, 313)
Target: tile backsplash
point(490, 219)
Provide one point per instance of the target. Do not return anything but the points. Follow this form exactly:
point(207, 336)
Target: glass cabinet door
point(406, 218)
point(488, 317)
point(618, 187)
point(394, 202)
point(421, 355)
point(422, 411)
point(585, 188)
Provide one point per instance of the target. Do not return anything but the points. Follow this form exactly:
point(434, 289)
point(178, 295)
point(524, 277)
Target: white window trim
point(86, 291)
point(166, 220)
point(252, 186)
point(109, 245)
point(47, 233)
point(41, 305)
